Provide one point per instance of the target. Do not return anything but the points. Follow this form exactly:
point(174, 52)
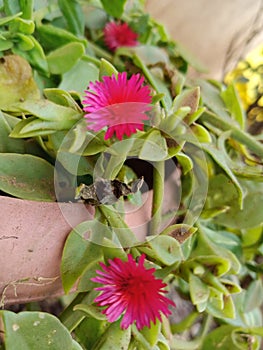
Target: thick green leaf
point(152, 334)
point(52, 37)
point(35, 330)
point(114, 165)
point(26, 176)
point(157, 83)
point(154, 147)
point(219, 158)
point(39, 128)
point(114, 8)
point(185, 161)
point(85, 283)
point(166, 249)
point(224, 308)
point(95, 328)
point(36, 57)
point(95, 144)
point(173, 122)
point(211, 97)
point(8, 144)
point(95, 17)
point(188, 98)
point(254, 295)
point(34, 127)
point(123, 235)
point(7, 19)
point(79, 77)
point(73, 15)
point(92, 311)
point(205, 248)
point(228, 240)
point(251, 236)
point(5, 44)
point(79, 251)
point(23, 42)
point(25, 26)
point(65, 57)
point(106, 68)
point(233, 103)
point(199, 291)
point(76, 346)
point(74, 163)
point(195, 134)
point(224, 193)
point(49, 111)
point(61, 97)
point(148, 54)
point(111, 250)
point(114, 338)
point(225, 338)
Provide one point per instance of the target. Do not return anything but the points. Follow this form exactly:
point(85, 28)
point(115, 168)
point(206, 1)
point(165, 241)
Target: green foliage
point(29, 330)
point(210, 252)
point(114, 8)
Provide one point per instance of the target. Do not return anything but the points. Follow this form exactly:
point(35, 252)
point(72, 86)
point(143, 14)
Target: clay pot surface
point(33, 234)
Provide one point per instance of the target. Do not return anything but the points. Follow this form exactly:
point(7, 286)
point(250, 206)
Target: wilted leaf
point(16, 81)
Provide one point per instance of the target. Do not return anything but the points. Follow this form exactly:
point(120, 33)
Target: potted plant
point(98, 120)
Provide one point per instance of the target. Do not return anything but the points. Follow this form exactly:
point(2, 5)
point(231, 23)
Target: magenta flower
point(119, 34)
point(132, 290)
point(117, 103)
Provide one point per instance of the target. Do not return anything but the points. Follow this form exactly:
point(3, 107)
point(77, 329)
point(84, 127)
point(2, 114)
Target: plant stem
point(206, 326)
point(125, 235)
point(99, 51)
point(91, 59)
point(158, 194)
point(236, 133)
point(72, 319)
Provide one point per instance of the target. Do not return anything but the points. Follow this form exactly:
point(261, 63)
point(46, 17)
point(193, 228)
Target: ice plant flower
point(131, 289)
point(118, 103)
point(118, 35)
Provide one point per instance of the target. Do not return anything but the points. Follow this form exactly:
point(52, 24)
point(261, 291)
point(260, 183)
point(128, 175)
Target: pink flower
point(119, 34)
point(117, 103)
point(133, 290)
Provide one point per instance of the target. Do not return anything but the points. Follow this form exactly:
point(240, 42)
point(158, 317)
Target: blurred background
point(226, 37)
point(218, 32)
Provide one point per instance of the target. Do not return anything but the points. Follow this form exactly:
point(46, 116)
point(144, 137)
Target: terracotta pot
point(32, 237)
